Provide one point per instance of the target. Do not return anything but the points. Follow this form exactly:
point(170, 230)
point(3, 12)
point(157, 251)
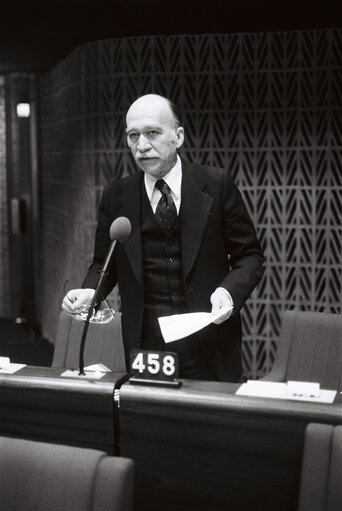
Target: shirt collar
point(173, 178)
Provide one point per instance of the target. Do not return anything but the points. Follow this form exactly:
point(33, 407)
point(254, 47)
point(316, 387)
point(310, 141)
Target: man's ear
point(180, 137)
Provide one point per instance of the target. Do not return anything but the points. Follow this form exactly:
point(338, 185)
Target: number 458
point(154, 364)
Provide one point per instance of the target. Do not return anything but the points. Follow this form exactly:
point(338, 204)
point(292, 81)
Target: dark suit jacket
point(219, 247)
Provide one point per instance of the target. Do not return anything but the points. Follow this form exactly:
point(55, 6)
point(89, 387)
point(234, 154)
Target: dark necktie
point(166, 212)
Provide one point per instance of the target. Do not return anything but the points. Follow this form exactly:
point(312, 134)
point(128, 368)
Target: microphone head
point(120, 229)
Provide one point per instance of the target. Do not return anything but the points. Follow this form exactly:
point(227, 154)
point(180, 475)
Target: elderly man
point(192, 247)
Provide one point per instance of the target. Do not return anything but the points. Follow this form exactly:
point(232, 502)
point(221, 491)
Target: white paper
point(296, 391)
point(92, 375)
point(94, 371)
point(98, 367)
point(262, 389)
point(178, 326)
point(12, 368)
point(4, 362)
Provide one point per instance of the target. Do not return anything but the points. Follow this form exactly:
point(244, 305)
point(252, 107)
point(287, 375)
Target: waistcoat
point(163, 280)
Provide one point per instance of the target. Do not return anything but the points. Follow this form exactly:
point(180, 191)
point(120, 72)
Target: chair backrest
point(320, 486)
point(47, 477)
point(103, 343)
point(309, 349)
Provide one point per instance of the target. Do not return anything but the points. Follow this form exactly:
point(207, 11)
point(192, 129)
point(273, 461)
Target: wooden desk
point(37, 403)
point(202, 448)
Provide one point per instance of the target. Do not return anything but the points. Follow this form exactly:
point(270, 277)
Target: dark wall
point(265, 106)
point(18, 241)
point(4, 242)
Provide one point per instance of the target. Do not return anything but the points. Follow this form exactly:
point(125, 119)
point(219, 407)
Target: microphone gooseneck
point(119, 231)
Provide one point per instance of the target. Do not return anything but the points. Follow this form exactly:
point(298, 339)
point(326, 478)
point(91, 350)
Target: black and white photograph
point(170, 255)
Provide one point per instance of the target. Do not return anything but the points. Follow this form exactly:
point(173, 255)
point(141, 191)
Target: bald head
point(154, 103)
point(154, 134)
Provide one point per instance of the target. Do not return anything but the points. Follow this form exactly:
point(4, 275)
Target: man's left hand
point(222, 305)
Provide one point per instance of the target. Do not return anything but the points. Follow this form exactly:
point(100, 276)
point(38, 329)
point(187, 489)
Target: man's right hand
point(75, 300)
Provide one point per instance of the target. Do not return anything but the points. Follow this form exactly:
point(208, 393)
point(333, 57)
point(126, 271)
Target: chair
point(47, 477)
point(320, 486)
point(309, 349)
point(103, 343)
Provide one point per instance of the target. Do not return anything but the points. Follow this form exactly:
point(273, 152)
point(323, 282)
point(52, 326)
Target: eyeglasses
point(101, 316)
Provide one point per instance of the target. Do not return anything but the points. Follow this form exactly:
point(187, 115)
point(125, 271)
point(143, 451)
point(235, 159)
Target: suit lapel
point(195, 209)
point(130, 199)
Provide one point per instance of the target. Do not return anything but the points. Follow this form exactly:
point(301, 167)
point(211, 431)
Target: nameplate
point(292, 390)
point(154, 368)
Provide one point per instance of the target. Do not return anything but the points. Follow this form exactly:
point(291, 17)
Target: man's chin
point(152, 167)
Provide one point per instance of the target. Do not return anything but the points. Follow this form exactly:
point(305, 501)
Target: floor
point(23, 344)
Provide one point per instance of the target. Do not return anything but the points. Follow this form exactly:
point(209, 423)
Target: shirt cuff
point(227, 293)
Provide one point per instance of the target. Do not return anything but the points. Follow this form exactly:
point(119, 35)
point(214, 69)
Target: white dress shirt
point(173, 179)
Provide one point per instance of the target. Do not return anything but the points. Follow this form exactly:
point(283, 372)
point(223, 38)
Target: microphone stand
point(86, 324)
point(119, 232)
point(94, 301)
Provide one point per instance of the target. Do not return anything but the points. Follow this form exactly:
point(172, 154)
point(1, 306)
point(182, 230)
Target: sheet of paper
point(98, 367)
point(177, 326)
point(262, 389)
point(92, 375)
point(257, 388)
point(4, 362)
point(12, 368)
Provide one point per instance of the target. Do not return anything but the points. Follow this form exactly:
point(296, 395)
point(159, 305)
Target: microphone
point(119, 231)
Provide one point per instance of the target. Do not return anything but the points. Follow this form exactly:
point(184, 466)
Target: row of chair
point(48, 477)
point(309, 348)
point(321, 482)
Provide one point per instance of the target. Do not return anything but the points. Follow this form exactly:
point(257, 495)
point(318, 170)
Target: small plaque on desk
point(154, 368)
point(292, 390)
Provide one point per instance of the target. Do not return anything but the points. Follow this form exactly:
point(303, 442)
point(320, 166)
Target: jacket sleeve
point(242, 245)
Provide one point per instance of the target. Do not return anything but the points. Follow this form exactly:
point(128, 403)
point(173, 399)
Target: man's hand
point(75, 300)
point(222, 305)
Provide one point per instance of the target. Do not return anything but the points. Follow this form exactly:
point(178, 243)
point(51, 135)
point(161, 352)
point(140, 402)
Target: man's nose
point(143, 143)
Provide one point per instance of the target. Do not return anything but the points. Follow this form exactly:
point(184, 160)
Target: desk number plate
point(154, 367)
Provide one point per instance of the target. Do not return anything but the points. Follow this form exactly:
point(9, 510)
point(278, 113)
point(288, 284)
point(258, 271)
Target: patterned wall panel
point(265, 106)
point(4, 249)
